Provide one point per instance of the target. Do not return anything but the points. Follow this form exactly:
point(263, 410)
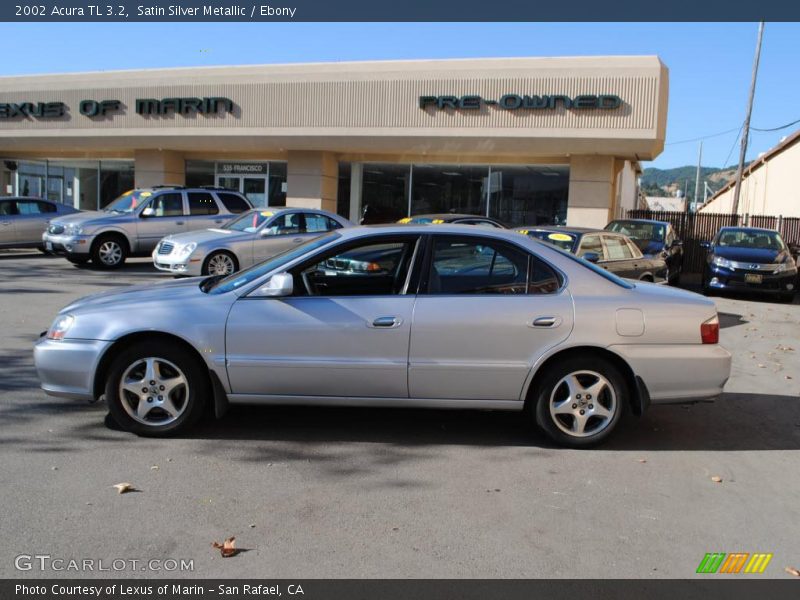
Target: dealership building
point(525, 140)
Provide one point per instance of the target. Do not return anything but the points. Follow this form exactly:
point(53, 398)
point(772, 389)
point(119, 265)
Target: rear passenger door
point(203, 211)
point(163, 215)
point(486, 311)
point(31, 220)
point(8, 211)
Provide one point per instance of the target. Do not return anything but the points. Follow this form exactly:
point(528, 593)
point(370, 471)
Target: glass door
point(253, 188)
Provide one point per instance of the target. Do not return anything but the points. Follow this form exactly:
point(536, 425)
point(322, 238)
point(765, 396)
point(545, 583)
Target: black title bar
point(408, 10)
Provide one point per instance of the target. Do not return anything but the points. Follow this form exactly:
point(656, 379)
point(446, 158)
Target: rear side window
point(316, 222)
point(34, 207)
point(233, 203)
point(591, 243)
point(8, 207)
point(202, 203)
point(617, 248)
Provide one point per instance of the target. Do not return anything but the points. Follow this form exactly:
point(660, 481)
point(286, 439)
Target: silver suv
point(133, 224)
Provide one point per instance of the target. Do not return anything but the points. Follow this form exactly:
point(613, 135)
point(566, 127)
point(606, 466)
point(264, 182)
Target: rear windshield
point(565, 241)
point(420, 221)
point(128, 202)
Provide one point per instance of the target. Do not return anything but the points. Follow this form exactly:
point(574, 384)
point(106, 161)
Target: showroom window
point(529, 195)
point(448, 189)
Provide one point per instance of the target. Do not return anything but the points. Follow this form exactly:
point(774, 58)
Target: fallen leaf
point(716, 479)
point(252, 525)
point(760, 366)
point(642, 460)
point(787, 376)
point(123, 488)
point(226, 548)
point(154, 468)
point(792, 571)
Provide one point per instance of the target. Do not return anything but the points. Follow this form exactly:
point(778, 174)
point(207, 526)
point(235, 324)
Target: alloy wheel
point(220, 264)
point(583, 403)
point(154, 391)
point(110, 253)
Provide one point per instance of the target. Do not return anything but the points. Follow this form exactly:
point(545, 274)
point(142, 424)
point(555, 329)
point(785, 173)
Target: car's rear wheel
point(580, 401)
point(220, 263)
point(109, 252)
point(156, 389)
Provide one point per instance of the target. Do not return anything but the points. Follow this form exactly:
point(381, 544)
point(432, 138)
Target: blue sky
point(710, 63)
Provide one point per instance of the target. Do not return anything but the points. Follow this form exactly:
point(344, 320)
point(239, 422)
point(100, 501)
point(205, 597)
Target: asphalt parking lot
point(315, 493)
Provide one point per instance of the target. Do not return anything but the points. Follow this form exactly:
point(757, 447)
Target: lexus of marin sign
point(516, 101)
point(101, 108)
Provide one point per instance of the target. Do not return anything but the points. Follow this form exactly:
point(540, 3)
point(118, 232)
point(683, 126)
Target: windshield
point(637, 230)
point(565, 241)
point(249, 221)
point(236, 280)
point(128, 202)
point(751, 238)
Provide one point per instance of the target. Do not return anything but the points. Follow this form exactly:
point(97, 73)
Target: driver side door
point(166, 214)
point(343, 333)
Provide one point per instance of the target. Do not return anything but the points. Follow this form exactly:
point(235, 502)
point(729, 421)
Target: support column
point(158, 167)
point(356, 177)
point(312, 180)
point(591, 191)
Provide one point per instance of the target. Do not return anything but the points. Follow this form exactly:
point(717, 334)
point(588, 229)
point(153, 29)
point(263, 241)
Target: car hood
point(753, 255)
point(171, 292)
point(90, 217)
point(209, 235)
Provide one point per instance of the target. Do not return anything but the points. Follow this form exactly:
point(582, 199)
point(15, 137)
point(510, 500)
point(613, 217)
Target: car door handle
point(219, 220)
point(297, 240)
point(386, 322)
point(6, 223)
point(545, 322)
point(179, 222)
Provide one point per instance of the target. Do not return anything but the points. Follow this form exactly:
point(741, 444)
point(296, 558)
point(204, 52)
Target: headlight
point(786, 267)
point(73, 230)
point(185, 250)
point(721, 262)
point(60, 327)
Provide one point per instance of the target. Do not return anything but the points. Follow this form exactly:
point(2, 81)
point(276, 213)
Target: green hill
point(666, 182)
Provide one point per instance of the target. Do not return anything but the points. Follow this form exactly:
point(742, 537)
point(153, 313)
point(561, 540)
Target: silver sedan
point(445, 316)
point(23, 220)
point(249, 238)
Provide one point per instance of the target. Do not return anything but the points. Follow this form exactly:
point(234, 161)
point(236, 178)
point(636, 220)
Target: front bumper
point(67, 367)
point(722, 278)
point(188, 266)
point(676, 373)
point(67, 244)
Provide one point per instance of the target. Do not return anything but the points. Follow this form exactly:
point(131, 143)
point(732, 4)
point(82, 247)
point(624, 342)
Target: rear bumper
point(680, 372)
point(67, 368)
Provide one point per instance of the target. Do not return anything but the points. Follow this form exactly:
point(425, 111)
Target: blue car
point(749, 259)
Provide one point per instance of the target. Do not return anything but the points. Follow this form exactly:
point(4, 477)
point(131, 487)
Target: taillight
point(709, 331)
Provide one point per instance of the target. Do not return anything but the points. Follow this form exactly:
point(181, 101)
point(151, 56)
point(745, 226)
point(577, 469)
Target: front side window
point(202, 203)
point(368, 269)
point(167, 205)
point(250, 221)
point(591, 244)
point(477, 266)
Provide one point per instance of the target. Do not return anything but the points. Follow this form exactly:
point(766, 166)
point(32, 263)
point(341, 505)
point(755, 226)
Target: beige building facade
point(526, 140)
point(769, 184)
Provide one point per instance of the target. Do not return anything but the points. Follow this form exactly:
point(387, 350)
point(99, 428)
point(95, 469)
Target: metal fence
point(694, 228)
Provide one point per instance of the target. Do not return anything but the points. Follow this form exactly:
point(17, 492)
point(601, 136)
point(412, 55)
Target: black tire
point(190, 400)
point(219, 254)
point(614, 399)
point(109, 246)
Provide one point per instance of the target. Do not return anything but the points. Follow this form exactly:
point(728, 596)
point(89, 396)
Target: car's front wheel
point(580, 401)
point(156, 389)
point(109, 252)
point(220, 263)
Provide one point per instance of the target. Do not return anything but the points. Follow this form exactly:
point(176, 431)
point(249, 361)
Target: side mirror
point(592, 257)
point(705, 245)
point(267, 231)
point(278, 286)
point(676, 244)
point(148, 212)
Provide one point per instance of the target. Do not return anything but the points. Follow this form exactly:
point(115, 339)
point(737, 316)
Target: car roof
point(564, 229)
point(450, 216)
point(748, 229)
point(652, 221)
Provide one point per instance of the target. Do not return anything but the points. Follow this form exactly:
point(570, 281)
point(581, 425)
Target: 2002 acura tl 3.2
point(426, 315)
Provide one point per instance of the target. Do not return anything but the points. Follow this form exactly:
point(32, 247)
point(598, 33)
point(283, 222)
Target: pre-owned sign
point(518, 101)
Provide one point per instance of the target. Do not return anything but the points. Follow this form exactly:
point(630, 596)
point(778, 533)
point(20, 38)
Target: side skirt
point(376, 402)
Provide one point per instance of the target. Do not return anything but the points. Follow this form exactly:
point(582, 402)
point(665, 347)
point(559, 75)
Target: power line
point(777, 128)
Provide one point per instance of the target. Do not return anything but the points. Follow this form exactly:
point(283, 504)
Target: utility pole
point(746, 128)
point(697, 179)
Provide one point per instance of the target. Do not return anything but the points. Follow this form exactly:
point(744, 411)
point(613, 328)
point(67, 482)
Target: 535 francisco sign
point(517, 101)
